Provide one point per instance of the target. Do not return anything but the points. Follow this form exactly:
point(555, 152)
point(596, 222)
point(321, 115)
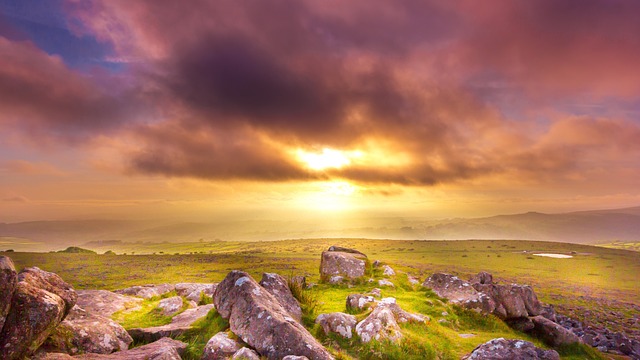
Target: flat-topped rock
point(346, 250)
point(193, 291)
point(350, 265)
point(501, 349)
point(179, 324)
point(147, 291)
point(105, 303)
point(259, 320)
point(163, 349)
point(85, 332)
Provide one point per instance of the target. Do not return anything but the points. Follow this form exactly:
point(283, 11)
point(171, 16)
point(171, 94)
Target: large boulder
point(501, 349)
point(105, 303)
point(530, 299)
point(220, 347)
point(147, 291)
point(84, 332)
point(52, 283)
point(278, 287)
point(259, 320)
point(193, 291)
point(337, 323)
point(510, 298)
point(179, 325)
point(9, 280)
point(34, 314)
point(347, 263)
point(552, 333)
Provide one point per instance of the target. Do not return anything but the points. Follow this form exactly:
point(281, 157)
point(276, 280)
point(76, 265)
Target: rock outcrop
point(259, 320)
point(220, 347)
point(337, 323)
point(84, 332)
point(9, 280)
point(501, 349)
point(278, 287)
point(347, 263)
point(39, 302)
point(105, 303)
point(147, 291)
point(179, 324)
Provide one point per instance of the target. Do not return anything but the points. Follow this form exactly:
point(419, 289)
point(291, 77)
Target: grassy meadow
point(575, 284)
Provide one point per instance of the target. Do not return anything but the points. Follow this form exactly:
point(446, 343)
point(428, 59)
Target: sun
point(326, 159)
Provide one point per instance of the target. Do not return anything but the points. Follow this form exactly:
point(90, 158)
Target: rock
point(84, 332)
point(52, 283)
point(382, 323)
point(511, 300)
point(379, 325)
point(348, 264)
point(413, 280)
point(531, 302)
point(295, 357)
point(552, 333)
point(385, 282)
point(450, 287)
point(337, 279)
point(375, 292)
point(259, 320)
point(105, 303)
point(179, 324)
point(521, 324)
point(337, 323)
point(278, 287)
point(388, 271)
point(501, 349)
point(549, 312)
point(193, 291)
point(34, 314)
point(170, 306)
point(483, 277)
point(246, 354)
point(376, 263)
point(163, 349)
point(346, 250)
point(220, 347)
point(9, 280)
point(359, 302)
point(147, 291)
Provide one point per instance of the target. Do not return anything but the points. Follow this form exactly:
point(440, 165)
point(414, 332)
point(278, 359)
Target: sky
point(281, 109)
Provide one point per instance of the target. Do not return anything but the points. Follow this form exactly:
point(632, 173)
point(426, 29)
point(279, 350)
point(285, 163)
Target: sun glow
point(327, 159)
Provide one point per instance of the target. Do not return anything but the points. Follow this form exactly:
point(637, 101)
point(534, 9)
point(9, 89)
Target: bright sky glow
point(326, 159)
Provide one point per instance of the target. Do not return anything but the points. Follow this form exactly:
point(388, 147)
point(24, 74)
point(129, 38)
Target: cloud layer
point(430, 92)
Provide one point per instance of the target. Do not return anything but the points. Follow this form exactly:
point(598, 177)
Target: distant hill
point(587, 227)
point(76, 250)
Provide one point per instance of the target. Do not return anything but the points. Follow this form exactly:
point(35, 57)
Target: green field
point(576, 285)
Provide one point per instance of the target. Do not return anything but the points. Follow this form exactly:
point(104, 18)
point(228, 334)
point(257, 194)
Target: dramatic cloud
point(428, 92)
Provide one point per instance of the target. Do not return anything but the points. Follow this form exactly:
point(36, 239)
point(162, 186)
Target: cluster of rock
point(43, 317)
point(601, 338)
point(517, 305)
point(501, 349)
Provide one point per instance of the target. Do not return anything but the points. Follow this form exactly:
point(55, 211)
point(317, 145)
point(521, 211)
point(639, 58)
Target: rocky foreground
point(42, 316)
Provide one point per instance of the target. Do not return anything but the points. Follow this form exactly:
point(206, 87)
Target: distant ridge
point(586, 227)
